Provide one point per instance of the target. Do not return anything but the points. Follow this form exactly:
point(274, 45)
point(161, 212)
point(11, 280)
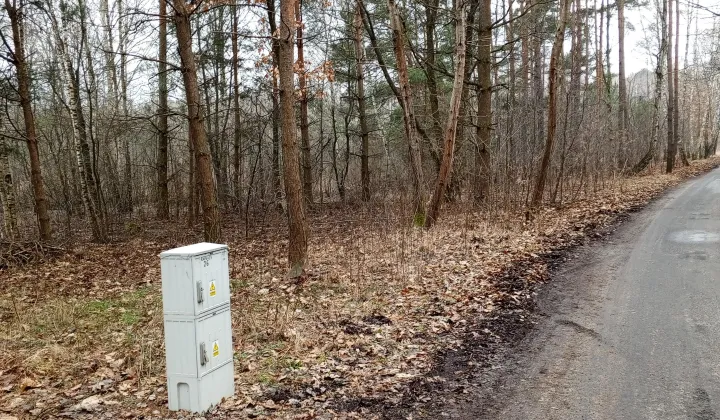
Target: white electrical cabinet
point(195, 279)
point(198, 330)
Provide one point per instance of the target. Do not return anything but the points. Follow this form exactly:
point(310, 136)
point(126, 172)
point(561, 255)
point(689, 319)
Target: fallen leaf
point(89, 404)
point(270, 405)
point(15, 403)
point(28, 383)
point(102, 385)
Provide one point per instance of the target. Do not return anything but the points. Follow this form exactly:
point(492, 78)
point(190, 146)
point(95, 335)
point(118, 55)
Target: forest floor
point(363, 336)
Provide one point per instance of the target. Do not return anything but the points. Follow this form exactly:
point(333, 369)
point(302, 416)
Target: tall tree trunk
point(339, 180)
point(217, 137)
point(454, 188)
point(237, 139)
point(707, 121)
point(110, 103)
point(276, 177)
point(15, 14)
point(347, 118)
point(323, 144)
point(237, 134)
point(110, 69)
point(276, 173)
point(367, 22)
point(693, 119)
point(573, 106)
point(431, 12)
point(510, 33)
point(608, 72)
point(599, 66)
point(88, 184)
point(444, 174)
point(537, 73)
point(622, 86)
point(419, 197)
point(198, 136)
point(192, 185)
point(676, 84)
point(127, 201)
point(525, 137)
point(304, 124)
point(163, 206)
point(362, 114)
point(297, 223)
point(483, 128)
point(650, 154)
point(555, 57)
point(91, 91)
point(671, 145)
point(7, 192)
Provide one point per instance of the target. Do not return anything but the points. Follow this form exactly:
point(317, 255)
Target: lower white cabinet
point(199, 354)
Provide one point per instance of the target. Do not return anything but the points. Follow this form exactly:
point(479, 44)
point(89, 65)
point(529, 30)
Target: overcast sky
point(639, 19)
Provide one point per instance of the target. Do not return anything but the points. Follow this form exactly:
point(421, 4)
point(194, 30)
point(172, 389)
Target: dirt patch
point(460, 374)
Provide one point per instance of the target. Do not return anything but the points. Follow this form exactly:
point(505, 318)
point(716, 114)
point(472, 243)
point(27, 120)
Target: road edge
point(471, 380)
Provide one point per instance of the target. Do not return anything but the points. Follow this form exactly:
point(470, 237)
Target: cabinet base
point(200, 394)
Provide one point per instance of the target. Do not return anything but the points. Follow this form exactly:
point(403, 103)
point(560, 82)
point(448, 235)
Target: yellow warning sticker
point(213, 290)
point(216, 349)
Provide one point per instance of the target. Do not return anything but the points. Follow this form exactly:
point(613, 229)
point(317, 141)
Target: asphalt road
point(633, 325)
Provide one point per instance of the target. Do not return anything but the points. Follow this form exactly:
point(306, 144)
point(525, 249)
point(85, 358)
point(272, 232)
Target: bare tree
point(649, 156)
point(276, 178)
point(126, 204)
point(237, 139)
point(679, 141)
point(362, 114)
point(444, 174)
point(88, 182)
point(297, 223)
point(15, 13)
point(304, 123)
point(672, 144)
point(433, 102)
point(198, 135)
point(622, 88)
point(483, 128)
point(163, 206)
point(7, 192)
point(418, 180)
point(555, 56)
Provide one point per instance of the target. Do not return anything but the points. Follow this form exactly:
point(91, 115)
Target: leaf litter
point(81, 333)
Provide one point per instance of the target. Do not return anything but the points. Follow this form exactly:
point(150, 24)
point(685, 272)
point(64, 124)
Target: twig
point(17, 313)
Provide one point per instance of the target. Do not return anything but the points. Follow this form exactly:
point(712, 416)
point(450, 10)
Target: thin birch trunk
point(7, 192)
point(88, 184)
